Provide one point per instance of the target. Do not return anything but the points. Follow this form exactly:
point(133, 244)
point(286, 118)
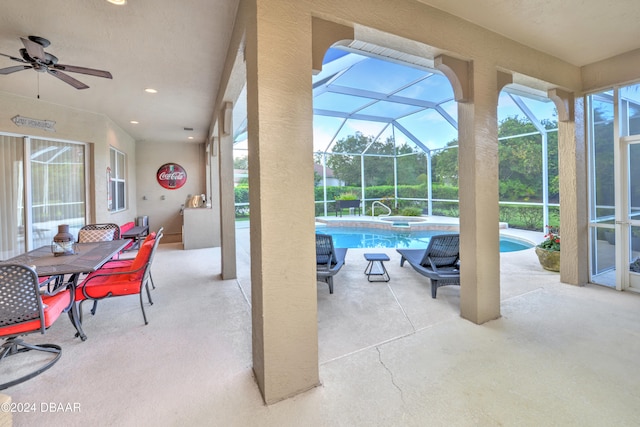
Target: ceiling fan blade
point(83, 70)
point(67, 79)
point(14, 69)
point(14, 58)
point(34, 50)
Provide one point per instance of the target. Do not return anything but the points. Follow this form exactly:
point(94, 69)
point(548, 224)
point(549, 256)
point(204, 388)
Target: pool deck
point(441, 223)
point(389, 354)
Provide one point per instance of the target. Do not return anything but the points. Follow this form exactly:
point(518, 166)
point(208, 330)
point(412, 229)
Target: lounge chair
point(329, 260)
point(440, 262)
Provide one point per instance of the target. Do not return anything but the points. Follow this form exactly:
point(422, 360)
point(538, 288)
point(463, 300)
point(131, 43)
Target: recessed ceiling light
point(150, 90)
point(134, 122)
point(118, 2)
point(190, 137)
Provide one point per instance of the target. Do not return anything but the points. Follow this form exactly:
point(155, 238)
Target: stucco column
point(224, 148)
point(476, 90)
point(572, 168)
point(280, 136)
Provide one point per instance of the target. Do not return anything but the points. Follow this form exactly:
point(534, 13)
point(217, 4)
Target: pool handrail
point(373, 208)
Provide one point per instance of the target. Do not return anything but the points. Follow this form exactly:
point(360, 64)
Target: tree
point(345, 162)
point(444, 165)
point(241, 162)
point(520, 161)
point(378, 161)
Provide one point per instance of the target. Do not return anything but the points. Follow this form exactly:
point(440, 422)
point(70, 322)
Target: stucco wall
point(163, 205)
point(79, 126)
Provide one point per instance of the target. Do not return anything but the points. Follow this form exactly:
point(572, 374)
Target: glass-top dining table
point(88, 257)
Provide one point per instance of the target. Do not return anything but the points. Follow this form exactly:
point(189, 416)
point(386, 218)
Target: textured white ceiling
point(178, 47)
point(579, 32)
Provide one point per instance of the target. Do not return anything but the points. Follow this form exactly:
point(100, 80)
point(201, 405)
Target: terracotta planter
point(549, 260)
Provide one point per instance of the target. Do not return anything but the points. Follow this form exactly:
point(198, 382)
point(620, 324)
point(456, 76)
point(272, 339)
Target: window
point(117, 193)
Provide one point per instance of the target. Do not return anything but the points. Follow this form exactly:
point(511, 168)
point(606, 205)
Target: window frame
point(117, 180)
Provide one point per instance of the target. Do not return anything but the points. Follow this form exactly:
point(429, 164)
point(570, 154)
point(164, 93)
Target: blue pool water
point(359, 237)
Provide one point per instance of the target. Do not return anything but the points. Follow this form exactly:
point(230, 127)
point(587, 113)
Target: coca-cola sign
point(171, 176)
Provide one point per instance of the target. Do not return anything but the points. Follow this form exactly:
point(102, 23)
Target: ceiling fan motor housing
point(40, 40)
point(49, 59)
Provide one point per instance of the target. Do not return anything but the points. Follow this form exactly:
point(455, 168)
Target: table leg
point(380, 270)
point(74, 314)
point(367, 269)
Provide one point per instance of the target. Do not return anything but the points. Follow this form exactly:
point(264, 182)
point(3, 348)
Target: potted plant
point(548, 250)
point(347, 200)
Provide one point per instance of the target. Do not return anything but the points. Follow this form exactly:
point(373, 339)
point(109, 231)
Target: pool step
point(400, 224)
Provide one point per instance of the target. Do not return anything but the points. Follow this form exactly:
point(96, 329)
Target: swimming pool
point(361, 237)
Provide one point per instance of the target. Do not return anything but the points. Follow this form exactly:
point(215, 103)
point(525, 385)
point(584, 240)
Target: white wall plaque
point(47, 125)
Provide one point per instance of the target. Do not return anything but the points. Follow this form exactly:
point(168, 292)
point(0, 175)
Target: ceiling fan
point(34, 56)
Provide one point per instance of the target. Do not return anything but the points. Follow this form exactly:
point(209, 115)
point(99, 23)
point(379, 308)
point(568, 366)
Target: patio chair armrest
point(52, 285)
point(48, 292)
point(445, 272)
point(131, 277)
point(97, 273)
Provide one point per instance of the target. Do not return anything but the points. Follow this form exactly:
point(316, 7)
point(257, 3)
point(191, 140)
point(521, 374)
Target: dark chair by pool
point(440, 262)
point(329, 260)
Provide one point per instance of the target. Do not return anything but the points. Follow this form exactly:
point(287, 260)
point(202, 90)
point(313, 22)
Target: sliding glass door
point(631, 204)
point(602, 170)
point(51, 185)
point(57, 188)
point(614, 174)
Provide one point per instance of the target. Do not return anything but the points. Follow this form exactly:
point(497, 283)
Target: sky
point(355, 93)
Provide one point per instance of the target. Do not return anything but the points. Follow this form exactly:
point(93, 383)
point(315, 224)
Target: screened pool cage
point(387, 132)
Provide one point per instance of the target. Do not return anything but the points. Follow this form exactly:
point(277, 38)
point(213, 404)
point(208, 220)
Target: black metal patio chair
point(24, 310)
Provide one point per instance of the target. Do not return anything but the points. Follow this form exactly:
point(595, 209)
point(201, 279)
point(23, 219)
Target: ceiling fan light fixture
point(118, 2)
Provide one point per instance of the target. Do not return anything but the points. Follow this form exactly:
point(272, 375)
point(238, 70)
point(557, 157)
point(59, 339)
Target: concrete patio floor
point(390, 355)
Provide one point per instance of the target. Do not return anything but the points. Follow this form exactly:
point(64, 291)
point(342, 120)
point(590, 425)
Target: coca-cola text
point(166, 176)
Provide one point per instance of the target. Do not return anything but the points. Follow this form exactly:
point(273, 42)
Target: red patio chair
point(123, 229)
point(120, 281)
point(126, 263)
point(24, 310)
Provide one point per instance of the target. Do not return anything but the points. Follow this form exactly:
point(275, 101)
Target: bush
point(348, 196)
point(411, 211)
point(450, 209)
point(440, 191)
point(523, 217)
point(241, 194)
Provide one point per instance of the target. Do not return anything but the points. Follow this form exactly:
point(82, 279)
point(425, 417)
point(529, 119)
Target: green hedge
point(517, 216)
point(378, 192)
point(241, 194)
